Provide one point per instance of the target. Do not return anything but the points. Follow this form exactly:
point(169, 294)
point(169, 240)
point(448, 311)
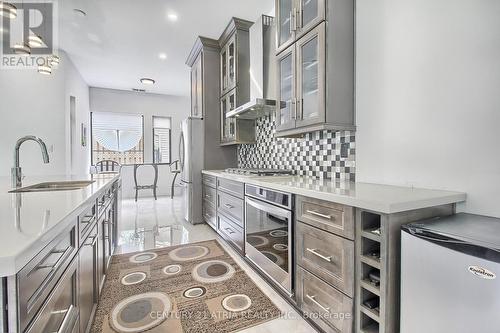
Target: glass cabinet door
point(286, 23)
point(311, 77)
point(309, 14)
point(196, 89)
point(231, 63)
point(228, 125)
point(223, 70)
point(286, 112)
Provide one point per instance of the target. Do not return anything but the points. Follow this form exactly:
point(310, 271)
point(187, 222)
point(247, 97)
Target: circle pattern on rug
point(143, 257)
point(257, 241)
point(273, 257)
point(133, 278)
point(278, 233)
point(172, 269)
point(280, 247)
point(213, 271)
point(188, 253)
point(236, 303)
point(133, 314)
point(194, 292)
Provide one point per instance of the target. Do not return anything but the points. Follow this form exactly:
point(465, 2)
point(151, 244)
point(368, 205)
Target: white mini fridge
point(450, 275)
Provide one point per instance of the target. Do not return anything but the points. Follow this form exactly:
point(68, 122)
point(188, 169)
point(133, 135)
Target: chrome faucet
point(17, 176)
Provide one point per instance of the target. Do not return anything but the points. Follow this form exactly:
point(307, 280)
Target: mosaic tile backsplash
point(320, 154)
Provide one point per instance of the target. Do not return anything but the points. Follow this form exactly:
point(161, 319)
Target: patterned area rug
point(189, 288)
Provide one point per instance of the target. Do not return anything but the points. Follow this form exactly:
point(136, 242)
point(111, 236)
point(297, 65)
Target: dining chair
point(107, 166)
point(153, 186)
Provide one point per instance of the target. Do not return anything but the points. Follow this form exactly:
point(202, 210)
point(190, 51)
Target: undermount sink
point(55, 186)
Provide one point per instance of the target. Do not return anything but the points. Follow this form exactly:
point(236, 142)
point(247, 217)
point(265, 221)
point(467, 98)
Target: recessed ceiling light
point(147, 81)
point(8, 10)
point(162, 56)
point(79, 12)
point(172, 16)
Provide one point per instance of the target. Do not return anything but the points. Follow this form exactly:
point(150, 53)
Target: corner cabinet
point(315, 64)
point(234, 80)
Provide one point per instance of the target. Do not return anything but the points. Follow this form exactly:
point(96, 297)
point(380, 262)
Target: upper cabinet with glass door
point(234, 57)
point(235, 82)
point(296, 18)
point(319, 93)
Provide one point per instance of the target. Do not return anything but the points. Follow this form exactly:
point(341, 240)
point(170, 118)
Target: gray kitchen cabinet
point(295, 18)
point(197, 88)
point(322, 69)
point(286, 110)
point(235, 58)
point(204, 64)
point(233, 130)
point(88, 278)
point(235, 82)
point(210, 200)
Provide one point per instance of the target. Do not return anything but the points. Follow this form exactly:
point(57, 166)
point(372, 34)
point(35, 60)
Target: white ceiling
point(118, 42)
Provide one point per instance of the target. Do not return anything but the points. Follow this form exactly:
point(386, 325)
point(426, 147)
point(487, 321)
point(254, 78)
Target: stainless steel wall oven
point(269, 233)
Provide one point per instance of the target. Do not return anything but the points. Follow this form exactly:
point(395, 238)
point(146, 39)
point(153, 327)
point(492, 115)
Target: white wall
point(428, 102)
point(35, 104)
point(148, 105)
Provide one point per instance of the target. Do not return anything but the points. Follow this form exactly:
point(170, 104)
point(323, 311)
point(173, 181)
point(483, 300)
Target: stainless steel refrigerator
point(199, 148)
point(450, 275)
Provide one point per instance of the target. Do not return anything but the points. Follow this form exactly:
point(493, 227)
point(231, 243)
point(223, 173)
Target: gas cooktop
point(259, 172)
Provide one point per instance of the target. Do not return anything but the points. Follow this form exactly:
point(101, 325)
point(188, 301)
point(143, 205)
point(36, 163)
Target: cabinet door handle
point(87, 219)
point(228, 206)
point(92, 242)
point(300, 114)
point(298, 19)
point(56, 264)
point(294, 106)
point(316, 253)
point(313, 299)
point(312, 212)
point(229, 230)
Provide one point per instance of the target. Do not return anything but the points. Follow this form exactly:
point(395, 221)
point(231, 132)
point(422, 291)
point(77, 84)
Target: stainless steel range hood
point(262, 71)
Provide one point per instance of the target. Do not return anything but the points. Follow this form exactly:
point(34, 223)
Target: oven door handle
point(269, 208)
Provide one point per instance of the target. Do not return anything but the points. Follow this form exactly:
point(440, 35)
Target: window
point(117, 137)
point(162, 140)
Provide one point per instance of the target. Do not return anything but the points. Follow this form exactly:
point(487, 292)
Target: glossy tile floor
point(148, 224)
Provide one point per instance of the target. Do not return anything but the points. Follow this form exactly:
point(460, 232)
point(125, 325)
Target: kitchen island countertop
point(30, 220)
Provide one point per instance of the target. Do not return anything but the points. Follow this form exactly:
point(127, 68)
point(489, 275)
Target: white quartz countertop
point(29, 221)
point(380, 198)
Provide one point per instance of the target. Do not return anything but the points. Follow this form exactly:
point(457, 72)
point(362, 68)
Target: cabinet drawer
point(329, 216)
point(328, 256)
point(231, 206)
point(210, 180)
point(326, 306)
point(209, 194)
point(209, 214)
point(40, 275)
point(60, 310)
point(229, 186)
point(85, 222)
point(231, 232)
